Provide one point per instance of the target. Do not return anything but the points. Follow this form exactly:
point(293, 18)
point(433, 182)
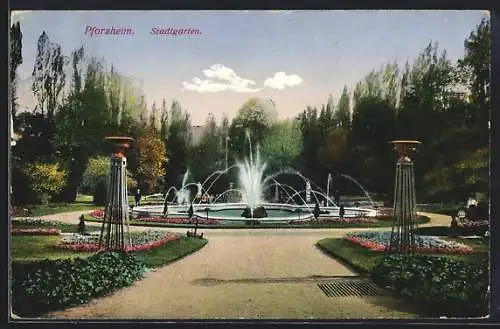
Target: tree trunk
point(75, 175)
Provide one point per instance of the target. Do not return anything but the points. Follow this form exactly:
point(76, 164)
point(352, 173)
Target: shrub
point(100, 194)
point(46, 180)
point(39, 287)
point(96, 176)
point(97, 171)
point(449, 287)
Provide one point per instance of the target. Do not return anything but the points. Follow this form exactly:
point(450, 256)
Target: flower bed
point(178, 220)
point(35, 222)
point(20, 211)
point(385, 213)
point(379, 241)
point(483, 224)
point(98, 213)
point(355, 220)
point(35, 231)
point(141, 241)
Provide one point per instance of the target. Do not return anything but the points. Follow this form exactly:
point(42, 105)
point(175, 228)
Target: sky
point(295, 58)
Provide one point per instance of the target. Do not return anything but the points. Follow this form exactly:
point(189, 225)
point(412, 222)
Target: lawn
point(33, 248)
point(440, 208)
point(171, 251)
point(363, 260)
point(82, 203)
point(358, 258)
point(53, 208)
point(65, 228)
point(438, 284)
point(82, 198)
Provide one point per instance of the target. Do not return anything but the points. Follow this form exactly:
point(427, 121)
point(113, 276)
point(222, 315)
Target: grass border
point(173, 260)
point(345, 261)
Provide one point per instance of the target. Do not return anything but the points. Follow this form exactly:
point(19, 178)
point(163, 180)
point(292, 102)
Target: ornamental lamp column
point(404, 209)
point(115, 231)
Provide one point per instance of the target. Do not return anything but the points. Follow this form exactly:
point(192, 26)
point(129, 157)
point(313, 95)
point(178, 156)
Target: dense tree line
point(445, 105)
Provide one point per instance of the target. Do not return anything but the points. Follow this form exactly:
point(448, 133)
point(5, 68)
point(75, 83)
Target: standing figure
point(137, 197)
point(341, 211)
point(81, 225)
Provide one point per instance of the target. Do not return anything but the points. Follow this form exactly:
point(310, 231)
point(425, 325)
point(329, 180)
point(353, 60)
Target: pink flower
point(92, 247)
point(98, 213)
point(434, 250)
point(178, 220)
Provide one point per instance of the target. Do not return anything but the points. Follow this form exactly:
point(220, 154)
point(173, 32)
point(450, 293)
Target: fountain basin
point(276, 212)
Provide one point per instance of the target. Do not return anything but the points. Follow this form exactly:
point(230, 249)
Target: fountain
point(199, 190)
point(308, 192)
point(402, 237)
point(183, 194)
point(252, 185)
point(116, 214)
point(328, 182)
point(251, 174)
point(360, 186)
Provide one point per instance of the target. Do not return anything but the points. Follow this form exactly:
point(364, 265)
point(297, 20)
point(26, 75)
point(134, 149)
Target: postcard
point(257, 165)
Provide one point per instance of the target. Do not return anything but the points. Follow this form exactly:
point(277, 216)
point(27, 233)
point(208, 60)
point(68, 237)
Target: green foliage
point(48, 285)
point(46, 180)
point(100, 194)
point(373, 126)
point(178, 139)
point(152, 158)
point(255, 116)
point(447, 286)
point(95, 179)
point(16, 59)
point(446, 105)
point(208, 155)
point(48, 75)
point(343, 113)
point(475, 70)
point(97, 171)
point(283, 144)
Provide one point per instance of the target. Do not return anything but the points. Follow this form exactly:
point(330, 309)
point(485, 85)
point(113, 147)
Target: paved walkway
point(243, 273)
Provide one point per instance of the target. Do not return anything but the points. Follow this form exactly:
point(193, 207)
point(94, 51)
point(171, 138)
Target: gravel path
point(268, 273)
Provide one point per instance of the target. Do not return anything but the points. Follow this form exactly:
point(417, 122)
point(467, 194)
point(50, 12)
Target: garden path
point(248, 261)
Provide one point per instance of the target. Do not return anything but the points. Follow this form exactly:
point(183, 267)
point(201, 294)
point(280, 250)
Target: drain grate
point(348, 288)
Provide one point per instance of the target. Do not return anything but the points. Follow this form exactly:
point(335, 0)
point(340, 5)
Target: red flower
point(178, 220)
point(35, 231)
point(92, 247)
point(98, 213)
point(380, 247)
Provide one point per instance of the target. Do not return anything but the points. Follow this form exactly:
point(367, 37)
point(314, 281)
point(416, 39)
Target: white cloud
point(220, 78)
point(280, 80)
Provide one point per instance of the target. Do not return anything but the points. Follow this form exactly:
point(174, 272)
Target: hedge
point(40, 287)
point(447, 287)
